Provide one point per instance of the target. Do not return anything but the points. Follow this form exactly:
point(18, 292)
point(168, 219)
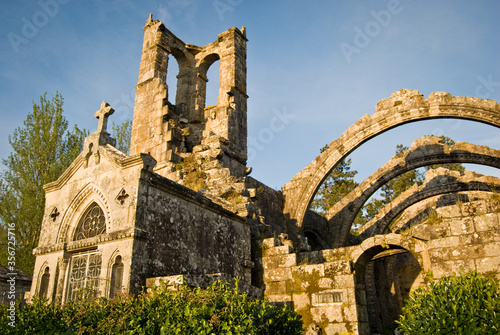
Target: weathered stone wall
point(463, 237)
point(335, 289)
point(265, 208)
point(188, 234)
point(426, 208)
point(320, 285)
point(362, 288)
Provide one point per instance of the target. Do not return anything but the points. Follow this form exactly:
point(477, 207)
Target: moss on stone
point(196, 180)
point(233, 197)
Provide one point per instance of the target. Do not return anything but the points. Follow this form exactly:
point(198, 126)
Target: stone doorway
point(385, 276)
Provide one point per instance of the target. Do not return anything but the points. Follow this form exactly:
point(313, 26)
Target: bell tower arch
point(167, 126)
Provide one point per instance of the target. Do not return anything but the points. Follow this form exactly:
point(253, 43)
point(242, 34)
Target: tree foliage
point(42, 149)
point(219, 309)
point(340, 182)
point(396, 186)
point(458, 304)
point(337, 184)
point(450, 166)
point(122, 133)
point(390, 190)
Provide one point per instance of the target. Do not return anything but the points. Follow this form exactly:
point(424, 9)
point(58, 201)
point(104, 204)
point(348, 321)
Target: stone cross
point(103, 114)
point(55, 213)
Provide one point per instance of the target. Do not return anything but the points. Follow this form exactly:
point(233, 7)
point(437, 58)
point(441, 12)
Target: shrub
point(219, 309)
point(458, 304)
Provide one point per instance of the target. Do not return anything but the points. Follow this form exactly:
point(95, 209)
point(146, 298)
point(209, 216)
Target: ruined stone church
point(182, 206)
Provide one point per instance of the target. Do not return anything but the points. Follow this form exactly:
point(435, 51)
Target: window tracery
point(92, 223)
point(84, 275)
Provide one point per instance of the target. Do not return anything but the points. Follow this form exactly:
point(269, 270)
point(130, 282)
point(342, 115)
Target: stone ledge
point(279, 261)
point(281, 250)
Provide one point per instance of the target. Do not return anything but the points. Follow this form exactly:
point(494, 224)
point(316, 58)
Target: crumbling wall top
point(406, 99)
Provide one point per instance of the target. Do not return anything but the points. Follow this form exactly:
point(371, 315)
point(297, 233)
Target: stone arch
point(402, 107)
point(43, 281)
point(424, 151)
point(364, 252)
point(114, 274)
point(183, 77)
point(441, 181)
point(420, 211)
point(386, 250)
point(314, 239)
point(202, 67)
point(207, 61)
point(88, 194)
point(315, 229)
point(159, 44)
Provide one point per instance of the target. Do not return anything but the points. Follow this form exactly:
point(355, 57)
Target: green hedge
point(458, 304)
point(219, 309)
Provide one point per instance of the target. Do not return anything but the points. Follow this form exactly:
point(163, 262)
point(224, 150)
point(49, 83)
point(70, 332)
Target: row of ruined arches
point(403, 107)
point(387, 272)
point(341, 217)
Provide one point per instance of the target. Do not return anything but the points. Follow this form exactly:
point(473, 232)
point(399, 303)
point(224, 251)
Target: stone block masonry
point(319, 284)
point(182, 208)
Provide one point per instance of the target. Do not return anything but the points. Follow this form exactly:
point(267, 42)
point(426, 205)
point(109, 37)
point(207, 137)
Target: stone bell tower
point(169, 127)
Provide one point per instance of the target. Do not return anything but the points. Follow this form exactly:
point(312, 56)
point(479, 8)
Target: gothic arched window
point(92, 223)
point(44, 283)
point(116, 277)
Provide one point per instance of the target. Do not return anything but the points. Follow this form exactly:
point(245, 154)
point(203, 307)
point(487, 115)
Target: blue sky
point(297, 66)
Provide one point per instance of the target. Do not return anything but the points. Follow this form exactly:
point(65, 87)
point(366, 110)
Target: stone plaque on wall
point(327, 298)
